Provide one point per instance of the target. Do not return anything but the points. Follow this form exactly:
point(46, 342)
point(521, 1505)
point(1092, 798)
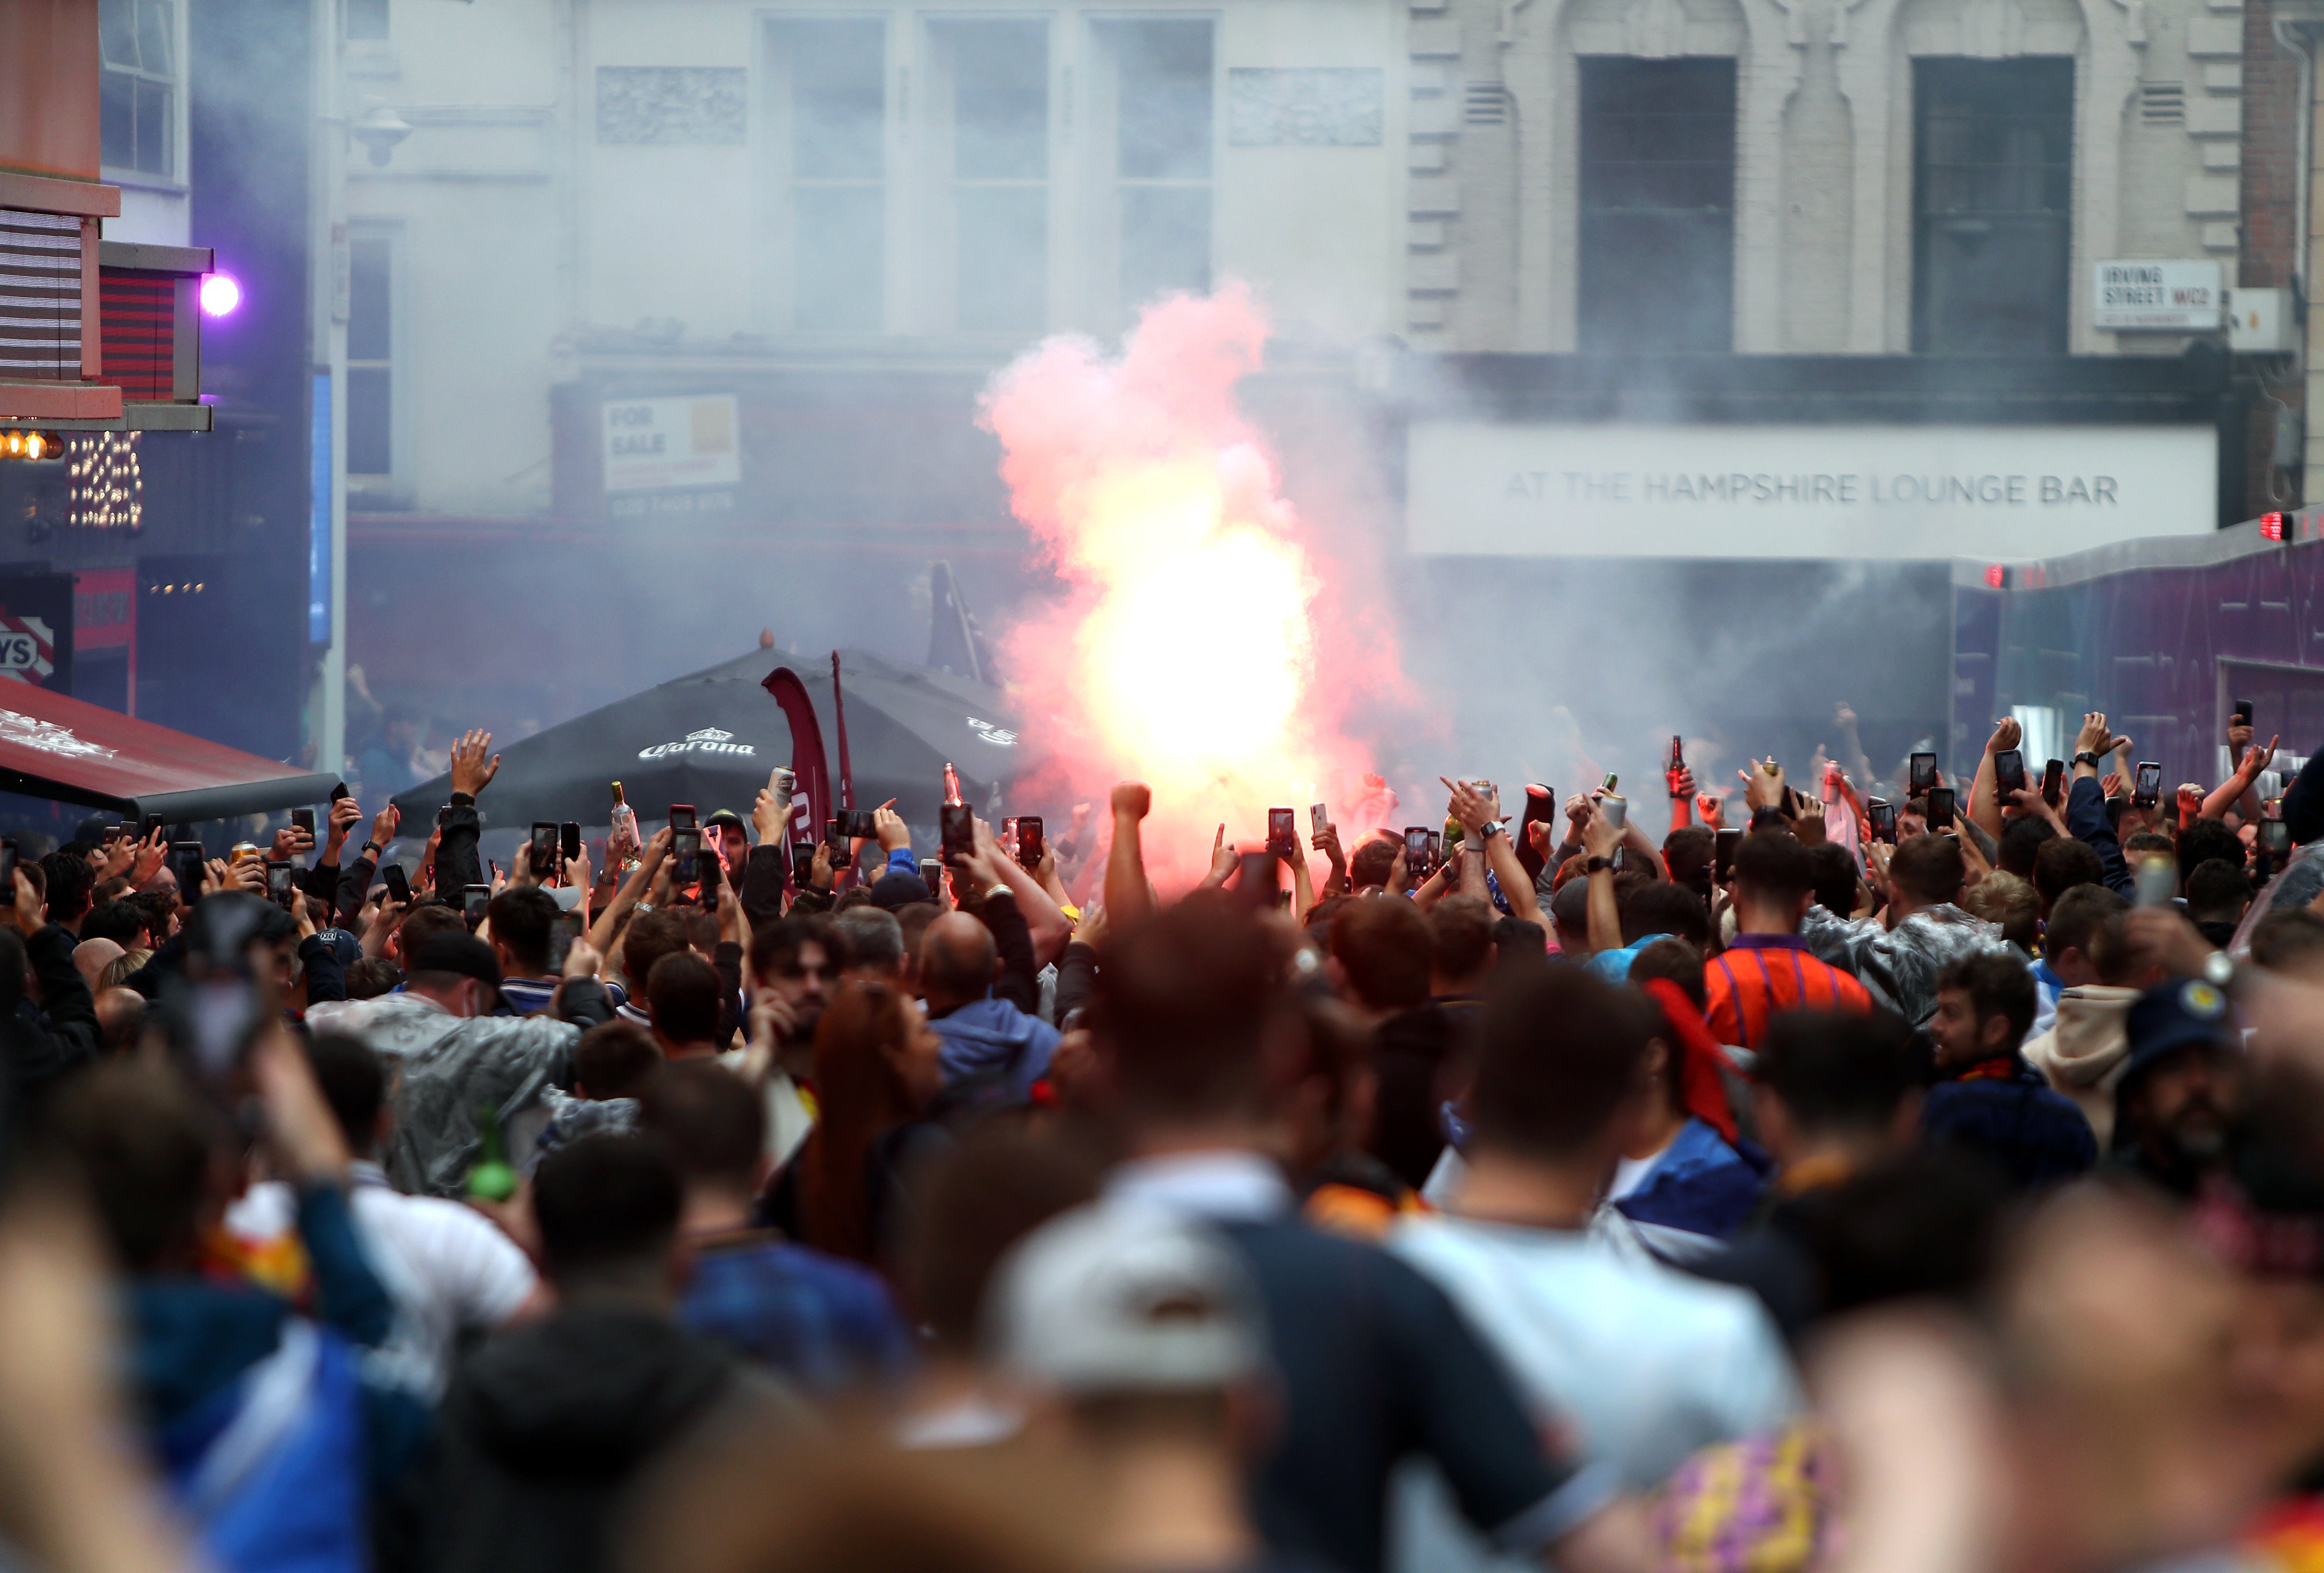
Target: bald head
point(957, 961)
point(90, 958)
point(120, 1013)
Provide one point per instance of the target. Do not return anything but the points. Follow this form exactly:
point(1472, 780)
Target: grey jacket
point(1899, 966)
point(445, 1066)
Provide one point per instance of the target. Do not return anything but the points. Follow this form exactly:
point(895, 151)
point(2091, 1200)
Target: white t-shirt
point(1647, 1364)
point(449, 1269)
point(1641, 1363)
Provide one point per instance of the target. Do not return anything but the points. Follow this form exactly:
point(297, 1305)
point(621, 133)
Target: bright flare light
point(221, 293)
point(1184, 653)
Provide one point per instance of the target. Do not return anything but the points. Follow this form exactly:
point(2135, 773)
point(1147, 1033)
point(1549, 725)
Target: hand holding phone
point(1941, 808)
point(2053, 781)
point(1029, 843)
point(1883, 815)
point(1282, 836)
point(956, 826)
point(2146, 784)
point(1924, 774)
point(2009, 771)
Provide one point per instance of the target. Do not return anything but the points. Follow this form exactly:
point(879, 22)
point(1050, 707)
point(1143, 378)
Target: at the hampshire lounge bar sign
point(1483, 488)
point(2159, 297)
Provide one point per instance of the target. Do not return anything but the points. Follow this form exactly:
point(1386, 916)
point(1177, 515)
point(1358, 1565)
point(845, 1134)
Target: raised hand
point(473, 764)
point(1132, 800)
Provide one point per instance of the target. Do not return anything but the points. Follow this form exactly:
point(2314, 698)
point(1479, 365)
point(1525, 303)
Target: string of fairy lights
point(104, 485)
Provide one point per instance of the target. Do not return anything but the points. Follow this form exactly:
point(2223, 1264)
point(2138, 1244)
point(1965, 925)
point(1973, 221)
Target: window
point(830, 78)
point(371, 357)
point(366, 19)
point(1657, 230)
point(1160, 80)
point(991, 115)
point(138, 103)
point(1993, 155)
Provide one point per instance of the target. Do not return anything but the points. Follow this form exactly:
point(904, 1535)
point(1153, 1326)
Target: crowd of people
point(1932, 1184)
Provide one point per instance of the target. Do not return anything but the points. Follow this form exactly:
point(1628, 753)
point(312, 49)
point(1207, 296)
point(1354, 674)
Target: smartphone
point(153, 825)
point(1883, 815)
point(836, 840)
point(1415, 852)
point(2053, 781)
point(568, 840)
point(2243, 713)
point(541, 851)
point(1924, 774)
point(858, 824)
point(1941, 808)
point(931, 872)
point(802, 862)
point(2146, 784)
point(957, 823)
point(1028, 841)
point(1436, 850)
point(398, 888)
point(712, 870)
point(188, 859)
point(478, 897)
point(1282, 836)
point(2275, 838)
point(1319, 819)
point(685, 852)
point(2009, 771)
point(1257, 878)
point(281, 886)
point(2157, 879)
point(1723, 844)
point(302, 820)
point(563, 929)
point(337, 792)
point(8, 870)
point(681, 816)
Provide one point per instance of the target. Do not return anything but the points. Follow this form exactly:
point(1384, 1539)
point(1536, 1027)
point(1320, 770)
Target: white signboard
point(659, 445)
point(2165, 297)
point(1477, 488)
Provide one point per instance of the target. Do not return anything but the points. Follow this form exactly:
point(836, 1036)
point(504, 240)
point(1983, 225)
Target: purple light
point(221, 293)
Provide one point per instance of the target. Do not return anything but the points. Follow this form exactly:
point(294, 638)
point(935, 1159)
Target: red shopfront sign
point(104, 616)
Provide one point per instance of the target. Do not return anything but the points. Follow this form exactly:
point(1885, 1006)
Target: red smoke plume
point(1184, 651)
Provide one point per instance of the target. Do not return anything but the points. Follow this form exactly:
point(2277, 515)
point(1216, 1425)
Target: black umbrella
point(710, 738)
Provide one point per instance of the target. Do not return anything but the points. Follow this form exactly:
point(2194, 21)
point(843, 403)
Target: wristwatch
point(1492, 827)
point(369, 847)
point(1597, 866)
point(2086, 757)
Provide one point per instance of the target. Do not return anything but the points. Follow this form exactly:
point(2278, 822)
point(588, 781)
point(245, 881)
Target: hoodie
point(546, 1426)
point(2081, 1054)
point(992, 1034)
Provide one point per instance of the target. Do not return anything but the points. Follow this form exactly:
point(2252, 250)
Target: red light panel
point(1995, 576)
point(2271, 526)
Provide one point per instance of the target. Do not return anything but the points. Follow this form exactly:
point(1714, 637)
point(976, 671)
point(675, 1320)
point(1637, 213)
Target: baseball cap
point(462, 955)
point(2172, 1015)
point(891, 891)
point(727, 819)
point(1115, 1298)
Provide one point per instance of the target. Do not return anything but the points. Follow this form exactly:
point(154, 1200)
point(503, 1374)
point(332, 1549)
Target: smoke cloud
point(1198, 642)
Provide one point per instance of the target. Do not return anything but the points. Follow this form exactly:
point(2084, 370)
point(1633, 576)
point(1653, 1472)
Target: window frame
point(779, 181)
point(173, 83)
point(396, 482)
point(1924, 301)
point(1105, 291)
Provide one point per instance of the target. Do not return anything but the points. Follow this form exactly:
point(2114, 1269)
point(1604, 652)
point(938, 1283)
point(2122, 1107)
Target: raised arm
point(2231, 791)
point(1475, 810)
point(1126, 897)
point(1984, 807)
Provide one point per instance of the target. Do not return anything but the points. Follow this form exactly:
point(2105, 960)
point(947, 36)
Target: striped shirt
point(1760, 975)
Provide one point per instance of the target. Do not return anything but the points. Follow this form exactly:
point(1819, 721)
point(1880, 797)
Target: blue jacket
point(2034, 1135)
point(1700, 1184)
point(992, 1034)
point(2086, 817)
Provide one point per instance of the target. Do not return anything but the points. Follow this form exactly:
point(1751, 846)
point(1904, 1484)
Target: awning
point(55, 747)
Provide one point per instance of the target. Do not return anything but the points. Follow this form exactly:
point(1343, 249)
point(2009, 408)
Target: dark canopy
point(710, 738)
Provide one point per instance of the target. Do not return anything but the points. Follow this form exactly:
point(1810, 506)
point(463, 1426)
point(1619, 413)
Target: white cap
point(1118, 1298)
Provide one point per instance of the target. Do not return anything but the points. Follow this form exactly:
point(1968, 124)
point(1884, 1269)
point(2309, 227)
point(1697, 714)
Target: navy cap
point(891, 892)
point(2171, 1016)
point(727, 819)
